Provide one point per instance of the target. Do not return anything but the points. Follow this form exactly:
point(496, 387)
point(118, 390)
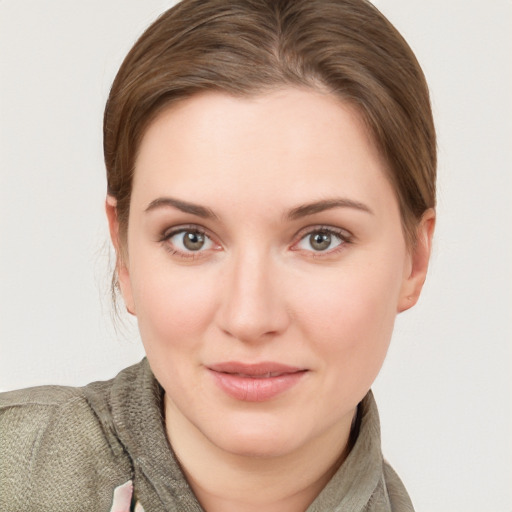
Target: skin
point(259, 289)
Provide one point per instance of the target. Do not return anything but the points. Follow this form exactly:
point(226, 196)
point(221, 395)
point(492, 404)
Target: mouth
point(255, 382)
point(263, 376)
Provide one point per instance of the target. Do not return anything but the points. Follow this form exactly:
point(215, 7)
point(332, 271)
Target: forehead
point(302, 142)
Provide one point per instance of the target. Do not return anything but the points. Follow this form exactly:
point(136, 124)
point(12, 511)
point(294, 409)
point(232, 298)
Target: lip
point(255, 382)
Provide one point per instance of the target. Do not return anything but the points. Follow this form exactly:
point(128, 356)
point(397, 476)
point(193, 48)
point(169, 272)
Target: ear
point(122, 270)
point(419, 257)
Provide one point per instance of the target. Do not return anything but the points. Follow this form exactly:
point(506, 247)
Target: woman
point(271, 193)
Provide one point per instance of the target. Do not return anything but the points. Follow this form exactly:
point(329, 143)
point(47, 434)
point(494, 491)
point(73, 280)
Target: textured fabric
point(67, 449)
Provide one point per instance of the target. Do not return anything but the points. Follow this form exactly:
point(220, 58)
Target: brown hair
point(246, 47)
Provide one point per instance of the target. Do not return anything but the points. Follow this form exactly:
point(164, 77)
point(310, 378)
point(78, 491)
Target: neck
point(229, 482)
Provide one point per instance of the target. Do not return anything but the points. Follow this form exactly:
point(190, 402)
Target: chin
point(256, 447)
point(257, 438)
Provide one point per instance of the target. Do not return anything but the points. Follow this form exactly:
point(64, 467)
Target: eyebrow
point(184, 206)
point(326, 204)
point(295, 213)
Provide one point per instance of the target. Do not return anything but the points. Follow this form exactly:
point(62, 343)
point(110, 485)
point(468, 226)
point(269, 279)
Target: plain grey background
point(444, 393)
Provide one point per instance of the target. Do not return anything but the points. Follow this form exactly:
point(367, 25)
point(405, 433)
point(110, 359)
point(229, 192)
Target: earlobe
point(419, 260)
point(122, 271)
point(113, 223)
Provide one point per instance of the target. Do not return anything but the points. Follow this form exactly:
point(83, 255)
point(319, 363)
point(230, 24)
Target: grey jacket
point(66, 449)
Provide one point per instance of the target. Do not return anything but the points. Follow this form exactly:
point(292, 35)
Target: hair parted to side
point(248, 47)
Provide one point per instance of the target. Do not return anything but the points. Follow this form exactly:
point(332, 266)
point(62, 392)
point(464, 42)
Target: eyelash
point(344, 236)
point(191, 255)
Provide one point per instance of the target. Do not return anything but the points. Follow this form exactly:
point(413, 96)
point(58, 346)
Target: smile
point(264, 376)
point(255, 382)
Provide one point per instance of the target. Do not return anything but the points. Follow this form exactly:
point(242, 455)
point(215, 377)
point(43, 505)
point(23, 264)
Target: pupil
point(320, 241)
point(193, 241)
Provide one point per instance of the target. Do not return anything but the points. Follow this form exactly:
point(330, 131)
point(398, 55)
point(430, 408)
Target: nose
point(253, 306)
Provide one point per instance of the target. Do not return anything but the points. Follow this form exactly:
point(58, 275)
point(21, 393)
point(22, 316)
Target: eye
point(322, 240)
point(189, 240)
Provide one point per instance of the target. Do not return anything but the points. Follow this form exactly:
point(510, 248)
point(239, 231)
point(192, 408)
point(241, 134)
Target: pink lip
point(255, 382)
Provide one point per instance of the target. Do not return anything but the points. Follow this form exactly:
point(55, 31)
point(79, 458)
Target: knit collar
point(353, 485)
point(137, 413)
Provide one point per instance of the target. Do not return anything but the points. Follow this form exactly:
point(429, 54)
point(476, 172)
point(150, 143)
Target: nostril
point(252, 307)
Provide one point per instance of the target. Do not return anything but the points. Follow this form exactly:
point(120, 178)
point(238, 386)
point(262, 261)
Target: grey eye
point(190, 241)
point(320, 241)
point(193, 240)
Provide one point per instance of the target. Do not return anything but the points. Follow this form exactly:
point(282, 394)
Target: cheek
point(174, 309)
point(350, 314)
point(173, 305)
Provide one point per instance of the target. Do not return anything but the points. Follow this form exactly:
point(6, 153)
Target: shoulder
point(43, 397)
point(28, 413)
point(57, 447)
point(29, 417)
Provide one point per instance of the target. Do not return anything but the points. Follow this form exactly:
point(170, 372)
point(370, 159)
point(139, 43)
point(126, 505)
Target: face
point(265, 263)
